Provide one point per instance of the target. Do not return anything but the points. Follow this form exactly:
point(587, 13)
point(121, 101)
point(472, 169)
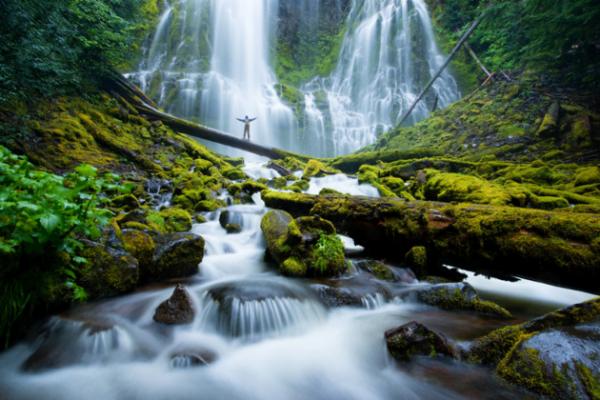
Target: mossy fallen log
point(562, 248)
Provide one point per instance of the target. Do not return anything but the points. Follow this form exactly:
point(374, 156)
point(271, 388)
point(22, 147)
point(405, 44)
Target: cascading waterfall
point(210, 61)
point(387, 57)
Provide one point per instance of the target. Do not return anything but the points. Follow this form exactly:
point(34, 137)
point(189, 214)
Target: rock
point(556, 355)
point(414, 339)
point(377, 268)
point(233, 228)
point(224, 218)
point(177, 255)
point(337, 297)
point(416, 257)
point(139, 244)
point(110, 271)
point(177, 309)
point(306, 246)
point(457, 297)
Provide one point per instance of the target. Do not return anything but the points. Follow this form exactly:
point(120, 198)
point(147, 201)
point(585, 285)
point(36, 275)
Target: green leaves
point(43, 214)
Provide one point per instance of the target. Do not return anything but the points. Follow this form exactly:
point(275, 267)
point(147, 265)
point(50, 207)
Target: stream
point(262, 336)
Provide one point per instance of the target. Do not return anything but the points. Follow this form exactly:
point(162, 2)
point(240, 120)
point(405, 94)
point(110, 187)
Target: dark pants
point(247, 131)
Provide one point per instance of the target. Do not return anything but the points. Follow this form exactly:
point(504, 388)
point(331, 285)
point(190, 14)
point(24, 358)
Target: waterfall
point(387, 57)
point(211, 61)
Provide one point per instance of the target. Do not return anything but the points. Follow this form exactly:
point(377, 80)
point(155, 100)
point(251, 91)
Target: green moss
point(416, 257)
point(294, 267)
point(549, 202)
point(235, 174)
point(587, 175)
point(139, 244)
point(209, 205)
point(176, 220)
point(590, 380)
point(458, 187)
point(315, 168)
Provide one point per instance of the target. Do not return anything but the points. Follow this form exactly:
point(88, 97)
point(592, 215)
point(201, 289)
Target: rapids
point(261, 335)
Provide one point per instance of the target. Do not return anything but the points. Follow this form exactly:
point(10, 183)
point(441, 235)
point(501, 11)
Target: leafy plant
point(42, 217)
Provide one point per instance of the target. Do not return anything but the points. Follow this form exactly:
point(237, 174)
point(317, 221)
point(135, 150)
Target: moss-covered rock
point(110, 271)
point(176, 220)
point(177, 255)
point(459, 297)
point(526, 355)
point(139, 244)
point(415, 339)
point(315, 168)
point(307, 246)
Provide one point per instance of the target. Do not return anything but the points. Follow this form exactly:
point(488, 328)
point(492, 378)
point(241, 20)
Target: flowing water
point(211, 61)
point(255, 335)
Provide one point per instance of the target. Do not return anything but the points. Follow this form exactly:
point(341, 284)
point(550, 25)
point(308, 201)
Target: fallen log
point(557, 247)
point(120, 86)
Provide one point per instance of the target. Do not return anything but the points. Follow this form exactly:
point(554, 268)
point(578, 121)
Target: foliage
point(56, 47)
point(559, 38)
point(41, 217)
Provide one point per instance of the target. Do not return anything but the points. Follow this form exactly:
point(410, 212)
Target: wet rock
point(224, 218)
point(78, 337)
point(177, 255)
point(233, 228)
point(415, 339)
point(386, 273)
point(110, 271)
point(556, 355)
point(177, 309)
point(337, 297)
point(306, 246)
point(457, 297)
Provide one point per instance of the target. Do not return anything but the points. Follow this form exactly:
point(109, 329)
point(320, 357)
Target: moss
point(590, 380)
point(156, 221)
point(136, 225)
point(235, 174)
point(139, 244)
point(458, 187)
point(526, 369)
point(315, 168)
point(294, 267)
point(209, 205)
point(416, 257)
point(451, 297)
point(548, 202)
point(125, 202)
point(176, 220)
point(587, 175)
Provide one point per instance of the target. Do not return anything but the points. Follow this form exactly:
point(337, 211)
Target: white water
point(211, 61)
point(269, 336)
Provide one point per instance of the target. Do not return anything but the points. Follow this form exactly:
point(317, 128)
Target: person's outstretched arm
point(241, 120)
point(253, 119)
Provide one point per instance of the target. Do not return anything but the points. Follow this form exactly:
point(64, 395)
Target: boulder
point(109, 271)
point(177, 255)
point(306, 246)
point(177, 309)
point(415, 339)
point(556, 355)
point(386, 273)
point(192, 358)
